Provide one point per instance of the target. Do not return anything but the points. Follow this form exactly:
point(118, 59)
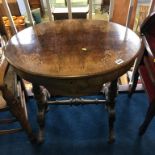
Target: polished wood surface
point(74, 53)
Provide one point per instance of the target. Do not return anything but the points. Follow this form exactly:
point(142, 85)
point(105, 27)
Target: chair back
point(148, 25)
point(122, 9)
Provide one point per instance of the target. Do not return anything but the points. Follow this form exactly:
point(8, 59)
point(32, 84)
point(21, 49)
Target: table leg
point(111, 94)
point(42, 106)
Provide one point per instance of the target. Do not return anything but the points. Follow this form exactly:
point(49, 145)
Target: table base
point(42, 102)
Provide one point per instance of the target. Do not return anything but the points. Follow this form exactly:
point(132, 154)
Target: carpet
point(83, 130)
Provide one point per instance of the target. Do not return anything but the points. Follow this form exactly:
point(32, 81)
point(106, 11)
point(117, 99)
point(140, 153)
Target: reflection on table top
point(72, 48)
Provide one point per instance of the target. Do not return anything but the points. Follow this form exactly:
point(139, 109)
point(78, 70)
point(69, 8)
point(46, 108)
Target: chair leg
point(26, 127)
point(133, 86)
point(18, 112)
point(23, 87)
point(149, 115)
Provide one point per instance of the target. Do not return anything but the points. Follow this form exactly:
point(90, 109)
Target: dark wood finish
point(150, 90)
point(146, 70)
point(148, 25)
point(40, 97)
point(73, 58)
point(106, 2)
point(13, 5)
point(67, 52)
point(111, 95)
point(135, 74)
point(60, 16)
point(35, 4)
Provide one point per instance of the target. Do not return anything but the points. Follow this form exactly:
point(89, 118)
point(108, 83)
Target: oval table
point(73, 58)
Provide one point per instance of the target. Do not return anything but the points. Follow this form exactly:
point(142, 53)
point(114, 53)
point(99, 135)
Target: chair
point(9, 102)
point(121, 11)
point(145, 68)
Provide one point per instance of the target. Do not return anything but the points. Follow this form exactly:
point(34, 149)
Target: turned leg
point(24, 122)
point(42, 106)
point(111, 94)
point(18, 112)
point(149, 115)
point(133, 86)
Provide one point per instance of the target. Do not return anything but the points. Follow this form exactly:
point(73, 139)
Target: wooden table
point(73, 58)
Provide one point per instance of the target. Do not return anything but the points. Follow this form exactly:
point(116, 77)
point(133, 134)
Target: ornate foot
point(41, 98)
point(111, 94)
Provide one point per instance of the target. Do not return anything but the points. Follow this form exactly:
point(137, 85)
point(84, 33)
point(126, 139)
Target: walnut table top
point(73, 57)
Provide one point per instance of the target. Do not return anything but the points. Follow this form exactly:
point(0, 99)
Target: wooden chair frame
point(16, 105)
point(143, 67)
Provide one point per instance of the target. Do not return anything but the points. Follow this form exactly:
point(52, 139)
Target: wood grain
point(76, 56)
